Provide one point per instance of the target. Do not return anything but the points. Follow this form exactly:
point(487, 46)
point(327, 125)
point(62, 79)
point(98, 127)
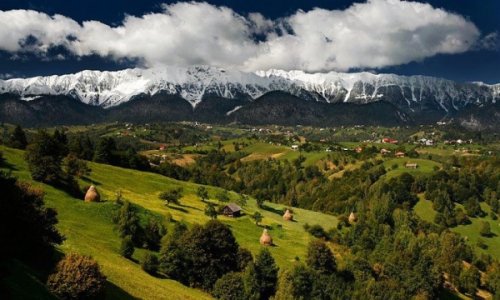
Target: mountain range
point(220, 95)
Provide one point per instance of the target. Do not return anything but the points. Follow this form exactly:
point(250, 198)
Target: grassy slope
point(89, 230)
point(471, 231)
point(22, 283)
point(425, 166)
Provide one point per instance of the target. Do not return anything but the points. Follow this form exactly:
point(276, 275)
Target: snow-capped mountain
point(109, 89)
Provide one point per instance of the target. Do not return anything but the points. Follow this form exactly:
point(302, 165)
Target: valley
point(319, 173)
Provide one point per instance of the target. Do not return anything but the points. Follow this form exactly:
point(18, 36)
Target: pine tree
point(18, 138)
point(44, 158)
point(202, 193)
point(266, 273)
point(210, 211)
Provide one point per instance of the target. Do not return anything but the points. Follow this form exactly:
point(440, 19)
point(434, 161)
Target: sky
point(454, 39)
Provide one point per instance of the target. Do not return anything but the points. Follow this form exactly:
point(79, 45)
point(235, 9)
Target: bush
point(27, 227)
point(317, 231)
point(77, 277)
point(485, 229)
point(127, 247)
point(320, 257)
point(229, 287)
point(171, 196)
point(149, 263)
point(481, 244)
point(244, 258)
point(469, 280)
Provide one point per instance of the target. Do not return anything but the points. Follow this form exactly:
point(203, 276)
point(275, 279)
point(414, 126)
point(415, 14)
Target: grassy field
point(89, 229)
point(425, 166)
point(470, 231)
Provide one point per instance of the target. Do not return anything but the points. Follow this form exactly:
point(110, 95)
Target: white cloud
point(18, 26)
point(490, 41)
point(374, 34)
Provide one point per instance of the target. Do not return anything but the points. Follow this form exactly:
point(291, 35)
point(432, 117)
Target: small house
point(411, 166)
point(389, 141)
point(231, 210)
point(384, 151)
point(400, 154)
point(358, 149)
point(295, 147)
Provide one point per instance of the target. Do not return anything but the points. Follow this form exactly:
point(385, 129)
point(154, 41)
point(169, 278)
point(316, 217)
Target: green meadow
point(89, 229)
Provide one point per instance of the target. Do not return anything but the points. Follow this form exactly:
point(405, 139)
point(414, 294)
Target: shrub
point(320, 257)
point(149, 263)
point(77, 277)
point(127, 247)
point(469, 280)
point(485, 229)
point(481, 244)
point(229, 287)
point(317, 231)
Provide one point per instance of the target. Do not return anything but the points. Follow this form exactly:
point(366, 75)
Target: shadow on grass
point(115, 292)
point(8, 166)
point(91, 181)
point(181, 209)
point(188, 206)
point(490, 235)
point(273, 210)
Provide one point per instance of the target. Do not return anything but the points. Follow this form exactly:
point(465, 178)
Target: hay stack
point(92, 195)
point(288, 216)
point(353, 218)
point(266, 239)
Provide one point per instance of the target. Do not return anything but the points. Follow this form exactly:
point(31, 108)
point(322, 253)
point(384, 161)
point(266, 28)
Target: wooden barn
point(231, 210)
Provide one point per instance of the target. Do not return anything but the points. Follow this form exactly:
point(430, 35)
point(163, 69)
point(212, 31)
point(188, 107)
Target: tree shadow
point(115, 292)
point(181, 209)
point(188, 206)
point(91, 181)
point(5, 164)
point(490, 235)
point(272, 210)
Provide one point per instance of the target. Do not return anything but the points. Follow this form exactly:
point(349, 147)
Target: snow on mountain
point(108, 89)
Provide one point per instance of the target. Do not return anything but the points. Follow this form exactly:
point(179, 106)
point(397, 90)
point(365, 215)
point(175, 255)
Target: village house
point(384, 151)
point(411, 165)
point(389, 141)
point(295, 147)
point(400, 154)
point(231, 210)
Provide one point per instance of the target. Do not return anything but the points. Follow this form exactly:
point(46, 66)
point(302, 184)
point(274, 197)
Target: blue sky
point(283, 35)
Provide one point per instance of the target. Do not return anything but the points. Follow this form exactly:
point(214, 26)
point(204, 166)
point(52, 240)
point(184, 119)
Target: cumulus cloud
point(374, 34)
point(31, 31)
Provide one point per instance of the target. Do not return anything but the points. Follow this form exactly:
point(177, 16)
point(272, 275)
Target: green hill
point(89, 229)
point(470, 231)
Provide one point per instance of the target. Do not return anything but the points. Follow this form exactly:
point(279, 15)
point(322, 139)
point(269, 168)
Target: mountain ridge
point(108, 89)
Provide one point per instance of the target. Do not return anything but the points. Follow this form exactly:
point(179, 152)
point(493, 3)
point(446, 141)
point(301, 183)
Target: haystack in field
point(266, 239)
point(92, 195)
point(353, 218)
point(288, 216)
